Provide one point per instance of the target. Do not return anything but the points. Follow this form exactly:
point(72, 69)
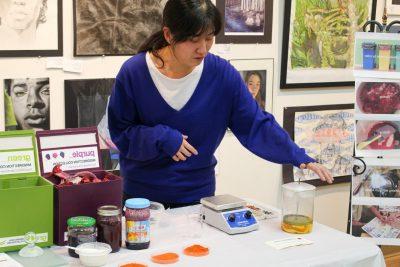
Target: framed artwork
point(27, 103)
point(258, 76)
point(393, 7)
point(326, 134)
point(375, 201)
point(378, 138)
point(377, 97)
point(86, 105)
point(114, 28)
point(245, 21)
point(318, 41)
point(30, 28)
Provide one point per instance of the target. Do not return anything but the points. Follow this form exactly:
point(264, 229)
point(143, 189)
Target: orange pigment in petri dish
point(133, 265)
point(165, 258)
point(196, 251)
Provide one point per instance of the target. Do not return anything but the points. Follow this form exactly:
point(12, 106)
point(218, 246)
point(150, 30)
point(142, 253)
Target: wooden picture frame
point(38, 32)
point(314, 52)
point(254, 33)
point(326, 121)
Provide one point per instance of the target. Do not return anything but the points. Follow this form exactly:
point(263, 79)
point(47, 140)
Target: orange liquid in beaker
point(297, 224)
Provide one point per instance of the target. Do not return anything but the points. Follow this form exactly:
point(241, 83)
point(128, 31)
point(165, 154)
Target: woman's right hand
point(186, 150)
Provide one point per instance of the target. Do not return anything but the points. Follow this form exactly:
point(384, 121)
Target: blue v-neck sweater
point(148, 132)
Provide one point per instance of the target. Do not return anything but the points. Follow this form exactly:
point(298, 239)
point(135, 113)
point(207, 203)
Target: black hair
point(185, 19)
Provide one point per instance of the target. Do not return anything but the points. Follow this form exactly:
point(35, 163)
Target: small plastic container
point(109, 226)
point(93, 254)
point(81, 229)
point(156, 212)
point(397, 53)
point(369, 55)
point(384, 57)
point(297, 207)
point(137, 214)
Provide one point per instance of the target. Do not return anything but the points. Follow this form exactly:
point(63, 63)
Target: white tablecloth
point(179, 228)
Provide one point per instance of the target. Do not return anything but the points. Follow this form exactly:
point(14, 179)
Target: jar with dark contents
point(109, 229)
point(137, 216)
point(81, 229)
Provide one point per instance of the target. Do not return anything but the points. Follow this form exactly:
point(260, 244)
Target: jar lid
point(298, 187)
point(81, 221)
point(108, 210)
point(385, 46)
point(368, 45)
point(137, 203)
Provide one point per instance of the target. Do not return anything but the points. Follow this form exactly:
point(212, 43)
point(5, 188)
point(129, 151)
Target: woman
point(253, 81)
point(172, 103)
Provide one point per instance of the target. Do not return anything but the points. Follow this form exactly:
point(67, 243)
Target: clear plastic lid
point(298, 187)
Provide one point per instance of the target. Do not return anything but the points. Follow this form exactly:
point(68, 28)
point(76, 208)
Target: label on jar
point(138, 231)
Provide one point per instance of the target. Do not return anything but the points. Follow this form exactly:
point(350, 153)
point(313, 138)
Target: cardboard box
point(26, 199)
point(76, 150)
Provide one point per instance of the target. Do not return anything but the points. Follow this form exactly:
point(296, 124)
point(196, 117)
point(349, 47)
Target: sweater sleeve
point(133, 139)
point(257, 130)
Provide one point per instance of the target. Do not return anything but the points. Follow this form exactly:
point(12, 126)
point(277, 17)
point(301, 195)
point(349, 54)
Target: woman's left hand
point(320, 170)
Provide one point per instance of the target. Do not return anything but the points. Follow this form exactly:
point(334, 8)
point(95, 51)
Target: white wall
point(239, 172)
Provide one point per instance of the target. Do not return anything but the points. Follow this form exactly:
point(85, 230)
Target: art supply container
point(109, 226)
point(384, 57)
point(297, 207)
point(369, 55)
point(81, 229)
point(397, 53)
point(137, 216)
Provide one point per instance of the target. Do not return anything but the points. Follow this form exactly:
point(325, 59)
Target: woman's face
point(22, 13)
point(253, 84)
point(193, 51)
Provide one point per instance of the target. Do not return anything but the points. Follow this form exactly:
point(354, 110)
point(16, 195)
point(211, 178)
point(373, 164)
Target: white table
point(178, 228)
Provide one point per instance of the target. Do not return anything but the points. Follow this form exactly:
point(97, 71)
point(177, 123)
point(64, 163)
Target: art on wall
point(245, 21)
point(393, 7)
point(31, 28)
point(258, 76)
point(326, 134)
point(106, 27)
point(377, 138)
point(376, 96)
point(375, 200)
point(27, 104)
point(318, 41)
point(86, 105)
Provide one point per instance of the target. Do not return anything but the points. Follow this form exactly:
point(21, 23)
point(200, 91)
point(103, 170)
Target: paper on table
point(377, 229)
point(7, 261)
point(288, 242)
point(73, 65)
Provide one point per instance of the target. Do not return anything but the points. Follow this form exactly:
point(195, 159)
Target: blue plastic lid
point(137, 203)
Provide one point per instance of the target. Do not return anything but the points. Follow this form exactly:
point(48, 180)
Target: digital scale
point(228, 213)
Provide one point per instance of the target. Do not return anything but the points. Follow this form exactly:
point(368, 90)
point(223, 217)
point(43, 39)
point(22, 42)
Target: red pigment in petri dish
point(196, 251)
point(388, 132)
point(165, 258)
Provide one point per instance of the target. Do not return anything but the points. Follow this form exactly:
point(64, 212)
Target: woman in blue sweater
point(172, 103)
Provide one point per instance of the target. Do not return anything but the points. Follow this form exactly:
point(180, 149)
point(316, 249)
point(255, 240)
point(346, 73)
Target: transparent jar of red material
point(137, 216)
point(109, 226)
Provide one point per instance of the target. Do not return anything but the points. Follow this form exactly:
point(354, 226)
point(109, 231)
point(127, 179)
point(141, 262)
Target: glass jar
point(81, 229)
point(369, 55)
point(397, 56)
point(384, 57)
point(297, 207)
point(109, 228)
point(137, 216)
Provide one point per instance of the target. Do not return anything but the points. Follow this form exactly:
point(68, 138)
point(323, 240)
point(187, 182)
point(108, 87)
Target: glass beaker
point(384, 56)
point(369, 55)
point(297, 207)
